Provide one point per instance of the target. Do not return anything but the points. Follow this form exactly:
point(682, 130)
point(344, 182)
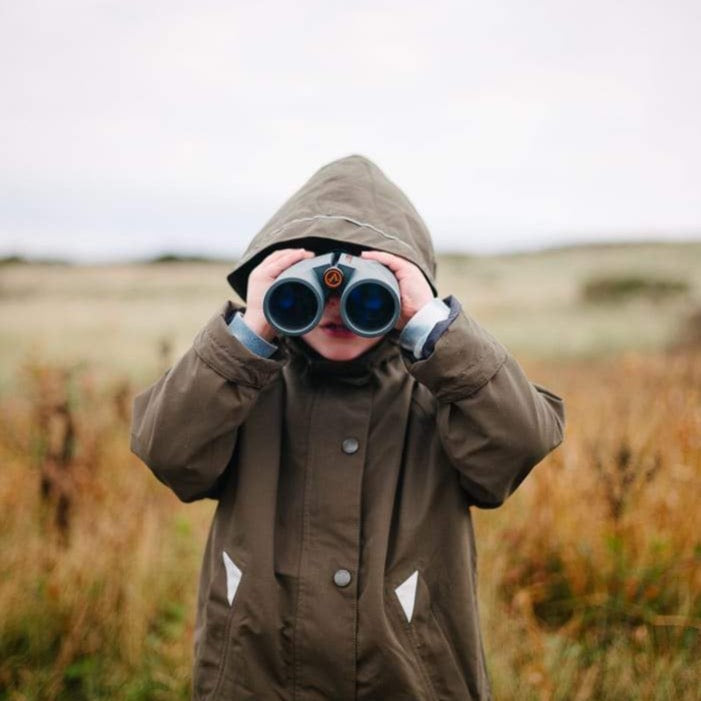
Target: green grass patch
point(620, 288)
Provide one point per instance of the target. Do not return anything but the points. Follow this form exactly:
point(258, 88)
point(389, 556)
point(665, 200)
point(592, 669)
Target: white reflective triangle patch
point(406, 593)
point(233, 577)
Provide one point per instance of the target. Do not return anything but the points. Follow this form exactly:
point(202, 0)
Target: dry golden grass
point(98, 560)
point(590, 575)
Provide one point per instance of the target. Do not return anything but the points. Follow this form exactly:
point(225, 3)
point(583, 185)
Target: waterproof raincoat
point(340, 563)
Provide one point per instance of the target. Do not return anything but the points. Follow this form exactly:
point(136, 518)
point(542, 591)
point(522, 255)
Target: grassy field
point(590, 575)
point(118, 317)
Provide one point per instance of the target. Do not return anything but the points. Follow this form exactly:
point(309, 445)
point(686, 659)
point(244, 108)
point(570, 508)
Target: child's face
point(333, 340)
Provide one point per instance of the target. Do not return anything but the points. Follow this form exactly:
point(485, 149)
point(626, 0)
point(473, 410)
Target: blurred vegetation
point(618, 289)
point(182, 258)
point(13, 260)
point(590, 575)
point(598, 565)
point(689, 335)
point(22, 260)
point(114, 315)
point(96, 578)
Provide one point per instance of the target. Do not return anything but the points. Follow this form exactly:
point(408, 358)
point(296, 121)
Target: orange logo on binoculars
point(333, 278)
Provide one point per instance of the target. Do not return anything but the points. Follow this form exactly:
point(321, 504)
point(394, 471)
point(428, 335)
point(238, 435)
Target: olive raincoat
point(340, 563)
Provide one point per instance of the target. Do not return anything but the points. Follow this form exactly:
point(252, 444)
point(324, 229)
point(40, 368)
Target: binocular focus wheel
point(333, 278)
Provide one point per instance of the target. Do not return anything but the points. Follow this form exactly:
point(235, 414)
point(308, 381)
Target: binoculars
point(369, 295)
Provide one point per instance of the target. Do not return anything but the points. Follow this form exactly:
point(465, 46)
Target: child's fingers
point(394, 263)
point(280, 260)
point(280, 253)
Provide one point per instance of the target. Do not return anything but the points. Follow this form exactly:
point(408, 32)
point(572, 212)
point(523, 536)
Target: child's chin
point(340, 350)
point(341, 357)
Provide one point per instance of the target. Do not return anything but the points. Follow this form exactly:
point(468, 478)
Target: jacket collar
point(357, 371)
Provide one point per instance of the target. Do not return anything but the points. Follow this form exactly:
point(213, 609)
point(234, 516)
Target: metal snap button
point(342, 578)
point(350, 446)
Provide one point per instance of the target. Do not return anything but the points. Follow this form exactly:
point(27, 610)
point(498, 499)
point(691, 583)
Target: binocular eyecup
point(368, 291)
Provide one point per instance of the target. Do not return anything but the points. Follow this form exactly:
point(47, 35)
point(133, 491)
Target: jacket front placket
point(326, 620)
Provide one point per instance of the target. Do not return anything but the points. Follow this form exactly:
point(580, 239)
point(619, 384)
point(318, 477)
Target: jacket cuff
point(229, 357)
point(464, 358)
point(418, 328)
point(255, 343)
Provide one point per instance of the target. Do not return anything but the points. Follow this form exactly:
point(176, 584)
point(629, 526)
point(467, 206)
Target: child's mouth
point(337, 330)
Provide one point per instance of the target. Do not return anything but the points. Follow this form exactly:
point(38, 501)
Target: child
point(340, 563)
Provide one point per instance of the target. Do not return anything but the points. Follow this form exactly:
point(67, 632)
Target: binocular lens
point(369, 295)
point(293, 305)
point(370, 306)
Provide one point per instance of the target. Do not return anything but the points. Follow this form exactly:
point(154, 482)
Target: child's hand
point(260, 279)
point(414, 289)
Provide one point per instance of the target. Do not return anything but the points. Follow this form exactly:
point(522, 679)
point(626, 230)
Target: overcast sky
point(131, 128)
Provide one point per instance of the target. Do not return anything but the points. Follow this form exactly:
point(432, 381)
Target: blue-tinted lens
point(292, 306)
point(370, 306)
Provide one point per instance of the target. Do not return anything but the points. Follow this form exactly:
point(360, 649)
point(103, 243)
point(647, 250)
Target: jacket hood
point(349, 202)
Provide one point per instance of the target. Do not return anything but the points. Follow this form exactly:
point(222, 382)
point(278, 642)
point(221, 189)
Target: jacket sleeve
point(184, 426)
point(494, 424)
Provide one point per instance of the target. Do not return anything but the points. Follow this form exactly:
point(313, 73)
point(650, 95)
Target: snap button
point(342, 578)
point(349, 446)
